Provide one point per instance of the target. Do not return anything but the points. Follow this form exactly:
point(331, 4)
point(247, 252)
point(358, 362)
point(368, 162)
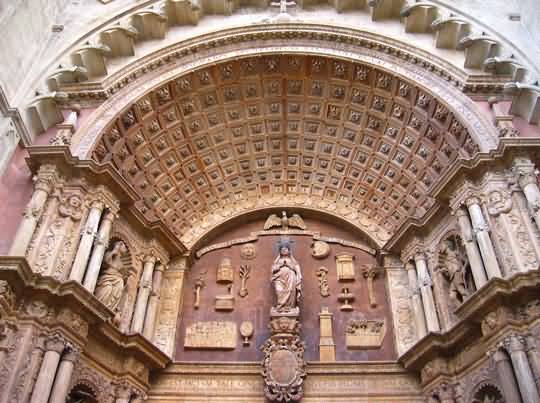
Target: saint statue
point(453, 268)
point(286, 279)
point(112, 280)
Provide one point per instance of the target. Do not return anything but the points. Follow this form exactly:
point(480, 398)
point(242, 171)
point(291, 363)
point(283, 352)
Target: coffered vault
point(285, 129)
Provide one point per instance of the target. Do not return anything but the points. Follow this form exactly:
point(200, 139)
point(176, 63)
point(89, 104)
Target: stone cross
point(283, 4)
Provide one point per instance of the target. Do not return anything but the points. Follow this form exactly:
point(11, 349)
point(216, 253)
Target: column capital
point(71, 353)
point(149, 258)
point(178, 264)
point(110, 215)
point(409, 266)
point(97, 204)
point(46, 177)
point(499, 355)
point(472, 200)
point(160, 267)
point(514, 343)
point(56, 342)
point(446, 391)
point(123, 391)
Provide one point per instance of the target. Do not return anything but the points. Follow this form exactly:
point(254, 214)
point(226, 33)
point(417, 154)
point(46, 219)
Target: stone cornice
point(104, 174)
point(17, 273)
point(497, 292)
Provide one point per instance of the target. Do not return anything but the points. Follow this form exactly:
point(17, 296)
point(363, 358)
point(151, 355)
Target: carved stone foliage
point(54, 242)
point(359, 139)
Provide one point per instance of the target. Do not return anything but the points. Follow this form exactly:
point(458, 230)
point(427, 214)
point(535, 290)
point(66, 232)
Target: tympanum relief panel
point(204, 283)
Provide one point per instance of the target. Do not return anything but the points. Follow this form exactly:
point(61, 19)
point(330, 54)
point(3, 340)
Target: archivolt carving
point(217, 144)
point(97, 383)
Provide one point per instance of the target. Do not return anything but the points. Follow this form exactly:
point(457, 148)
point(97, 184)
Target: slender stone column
point(506, 377)
point(482, 236)
point(100, 245)
point(42, 188)
point(63, 377)
point(145, 286)
point(153, 303)
point(87, 240)
point(529, 185)
point(426, 291)
point(534, 359)
point(418, 309)
point(471, 248)
point(42, 388)
point(527, 386)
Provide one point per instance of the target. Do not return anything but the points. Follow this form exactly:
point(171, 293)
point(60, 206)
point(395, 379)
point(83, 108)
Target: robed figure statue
point(286, 280)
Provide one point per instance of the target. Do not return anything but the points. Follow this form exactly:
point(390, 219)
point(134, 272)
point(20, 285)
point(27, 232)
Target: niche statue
point(286, 280)
point(453, 266)
point(112, 281)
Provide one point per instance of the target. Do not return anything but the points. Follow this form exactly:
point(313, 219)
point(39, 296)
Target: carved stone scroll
point(211, 335)
point(365, 334)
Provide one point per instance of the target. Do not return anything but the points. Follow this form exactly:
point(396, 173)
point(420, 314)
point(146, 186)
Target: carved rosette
point(284, 368)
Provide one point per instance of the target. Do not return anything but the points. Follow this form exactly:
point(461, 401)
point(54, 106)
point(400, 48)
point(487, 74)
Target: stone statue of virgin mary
point(286, 279)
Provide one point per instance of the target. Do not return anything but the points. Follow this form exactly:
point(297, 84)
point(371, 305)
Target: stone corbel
point(505, 66)
point(478, 48)
point(44, 111)
point(449, 32)
point(385, 9)
point(149, 24)
point(182, 12)
point(92, 58)
point(525, 101)
point(66, 75)
point(419, 17)
point(120, 40)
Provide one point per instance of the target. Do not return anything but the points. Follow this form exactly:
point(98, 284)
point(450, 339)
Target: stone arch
point(82, 390)
point(463, 115)
point(487, 389)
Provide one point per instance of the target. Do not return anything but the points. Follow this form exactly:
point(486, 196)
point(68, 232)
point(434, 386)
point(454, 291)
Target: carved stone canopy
point(247, 130)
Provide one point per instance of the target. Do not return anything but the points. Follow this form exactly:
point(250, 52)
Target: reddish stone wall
point(15, 192)
point(256, 306)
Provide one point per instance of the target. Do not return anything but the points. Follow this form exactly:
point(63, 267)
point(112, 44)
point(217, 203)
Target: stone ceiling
point(285, 130)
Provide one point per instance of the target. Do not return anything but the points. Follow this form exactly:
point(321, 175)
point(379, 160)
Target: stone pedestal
point(284, 368)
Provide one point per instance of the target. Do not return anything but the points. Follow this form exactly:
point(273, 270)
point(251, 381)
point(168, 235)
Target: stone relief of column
point(506, 376)
point(399, 293)
point(44, 182)
point(418, 308)
point(62, 381)
point(172, 293)
point(67, 128)
point(471, 248)
point(56, 237)
point(483, 238)
point(534, 358)
point(145, 287)
point(524, 169)
point(424, 282)
point(153, 303)
point(515, 345)
point(100, 246)
point(14, 364)
point(36, 358)
point(54, 346)
point(513, 239)
point(99, 199)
